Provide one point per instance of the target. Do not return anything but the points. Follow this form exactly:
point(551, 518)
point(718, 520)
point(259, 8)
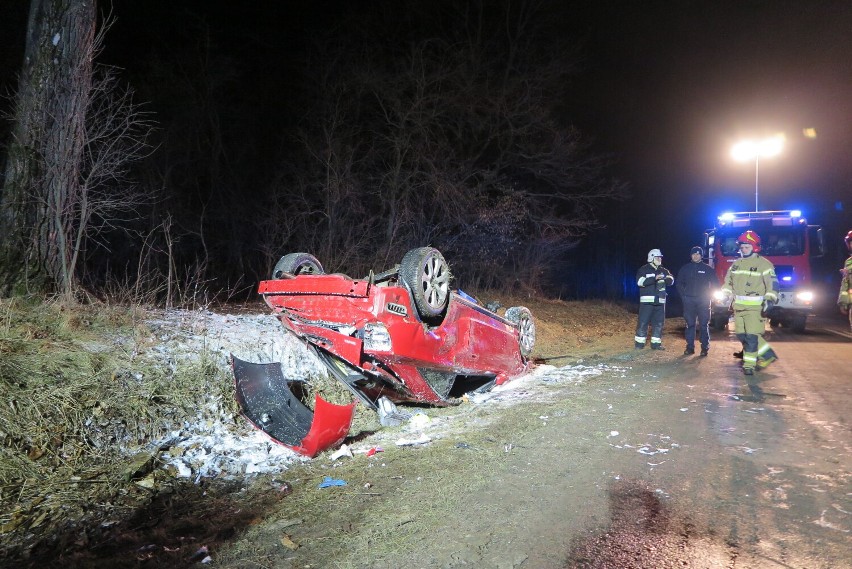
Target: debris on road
point(421, 440)
point(328, 482)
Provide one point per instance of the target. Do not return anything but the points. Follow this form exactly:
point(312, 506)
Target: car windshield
point(775, 241)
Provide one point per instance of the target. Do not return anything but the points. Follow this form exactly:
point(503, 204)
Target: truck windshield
point(774, 242)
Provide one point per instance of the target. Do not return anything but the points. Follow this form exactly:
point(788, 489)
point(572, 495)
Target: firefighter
point(753, 287)
point(696, 282)
point(844, 300)
point(652, 278)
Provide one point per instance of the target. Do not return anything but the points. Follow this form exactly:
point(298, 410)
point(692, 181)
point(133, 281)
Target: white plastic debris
point(613, 433)
point(344, 450)
point(421, 440)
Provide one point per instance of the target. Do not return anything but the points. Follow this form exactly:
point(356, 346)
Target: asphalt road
point(747, 472)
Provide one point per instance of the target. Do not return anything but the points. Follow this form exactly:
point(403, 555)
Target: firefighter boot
point(638, 346)
point(704, 352)
point(767, 359)
point(689, 351)
point(738, 354)
point(657, 347)
point(748, 370)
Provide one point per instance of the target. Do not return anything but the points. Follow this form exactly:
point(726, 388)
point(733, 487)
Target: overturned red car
point(403, 334)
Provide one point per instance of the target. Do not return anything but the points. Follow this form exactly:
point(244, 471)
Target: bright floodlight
point(747, 150)
point(743, 151)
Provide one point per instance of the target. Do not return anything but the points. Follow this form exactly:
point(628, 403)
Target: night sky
point(665, 87)
point(691, 78)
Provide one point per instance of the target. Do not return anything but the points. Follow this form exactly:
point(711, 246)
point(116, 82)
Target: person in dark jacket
point(652, 278)
point(696, 282)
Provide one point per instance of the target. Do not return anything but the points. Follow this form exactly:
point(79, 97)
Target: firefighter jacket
point(697, 281)
point(750, 281)
point(844, 299)
point(652, 290)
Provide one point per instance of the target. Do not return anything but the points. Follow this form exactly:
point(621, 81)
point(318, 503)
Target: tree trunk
point(46, 149)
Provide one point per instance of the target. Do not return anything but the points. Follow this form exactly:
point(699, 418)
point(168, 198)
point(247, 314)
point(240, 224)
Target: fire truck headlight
point(376, 337)
point(718, 296)
point(805, 296)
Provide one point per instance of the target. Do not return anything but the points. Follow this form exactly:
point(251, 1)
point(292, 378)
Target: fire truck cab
point(788, 242)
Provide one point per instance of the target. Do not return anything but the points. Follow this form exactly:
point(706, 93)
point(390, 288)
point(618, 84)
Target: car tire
point(798, 323)
point(297, 264)
point(522, 318)
point(427, 275)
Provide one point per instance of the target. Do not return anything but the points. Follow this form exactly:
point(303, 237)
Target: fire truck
point(788, 241)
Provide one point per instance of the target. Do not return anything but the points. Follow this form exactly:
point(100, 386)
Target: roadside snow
point(213, 444)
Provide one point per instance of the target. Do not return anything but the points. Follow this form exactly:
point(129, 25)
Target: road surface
point(756, 470)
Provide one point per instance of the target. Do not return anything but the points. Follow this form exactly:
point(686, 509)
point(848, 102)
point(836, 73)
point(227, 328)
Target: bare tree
point(74, 137)
point(116, 134)
point(47, 145)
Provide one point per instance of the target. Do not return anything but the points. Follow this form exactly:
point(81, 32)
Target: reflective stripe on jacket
point(650, 291)
point(750, 281)
point(843, 299)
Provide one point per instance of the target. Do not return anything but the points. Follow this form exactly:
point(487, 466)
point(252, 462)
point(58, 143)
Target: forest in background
point(220, 148)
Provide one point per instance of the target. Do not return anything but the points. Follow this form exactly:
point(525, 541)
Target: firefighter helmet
point(654, 253)
point(751, 238)
point(848, 240)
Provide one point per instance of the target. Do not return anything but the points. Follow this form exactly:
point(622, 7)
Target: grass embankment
point(81, 404)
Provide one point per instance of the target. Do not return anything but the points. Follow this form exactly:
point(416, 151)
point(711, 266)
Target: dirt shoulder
point(578, 330)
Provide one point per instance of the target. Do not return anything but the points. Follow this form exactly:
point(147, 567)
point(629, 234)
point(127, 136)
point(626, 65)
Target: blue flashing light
point(787, 279)
point(727, 216)
point(796, 213)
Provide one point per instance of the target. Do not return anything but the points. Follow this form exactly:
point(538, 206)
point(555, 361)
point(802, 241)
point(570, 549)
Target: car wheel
point(427, 275)
point(798, 323)
point(522, 318)
point(297, 264)
point(774, 323)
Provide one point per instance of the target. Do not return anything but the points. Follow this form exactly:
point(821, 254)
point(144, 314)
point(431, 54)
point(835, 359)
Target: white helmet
point(654, 253)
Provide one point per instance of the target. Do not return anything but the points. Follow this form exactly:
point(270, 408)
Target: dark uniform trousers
point(655, 315)
point(696, 308)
